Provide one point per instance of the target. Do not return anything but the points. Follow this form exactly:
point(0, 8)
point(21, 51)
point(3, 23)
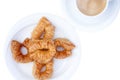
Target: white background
point(100, 51)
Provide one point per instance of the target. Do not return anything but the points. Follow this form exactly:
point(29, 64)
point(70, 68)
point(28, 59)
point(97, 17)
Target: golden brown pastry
point(42, 51)
point(43, 75)
point(17, 54)
point(44, 29)
point(66, 45)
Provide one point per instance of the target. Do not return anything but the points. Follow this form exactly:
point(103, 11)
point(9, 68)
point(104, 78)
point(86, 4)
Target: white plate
point(87, 23)
point(63, 69)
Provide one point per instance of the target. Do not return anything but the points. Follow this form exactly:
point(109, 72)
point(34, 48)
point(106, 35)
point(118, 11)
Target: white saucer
point(63, 69)
point(87, 23)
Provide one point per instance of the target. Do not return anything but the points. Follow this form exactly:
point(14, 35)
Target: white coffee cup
point(92, 7)
point(86, 22)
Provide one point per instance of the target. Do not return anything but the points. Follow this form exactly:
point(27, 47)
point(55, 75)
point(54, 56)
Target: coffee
point(91, 7)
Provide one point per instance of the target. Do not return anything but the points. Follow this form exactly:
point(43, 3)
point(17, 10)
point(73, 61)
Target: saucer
point(92, 23)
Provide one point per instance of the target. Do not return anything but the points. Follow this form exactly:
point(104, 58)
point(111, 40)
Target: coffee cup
point(91, 22)
point(92, 7)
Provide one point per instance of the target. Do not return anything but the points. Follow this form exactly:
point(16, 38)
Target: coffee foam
point(91, 7)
